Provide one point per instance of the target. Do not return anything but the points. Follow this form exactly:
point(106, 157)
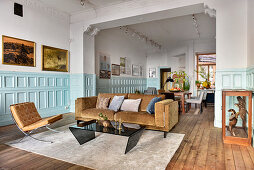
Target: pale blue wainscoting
point(49, 92)
point(121, 85)
point(81, 85)
point(250, 78)
point(153, 82)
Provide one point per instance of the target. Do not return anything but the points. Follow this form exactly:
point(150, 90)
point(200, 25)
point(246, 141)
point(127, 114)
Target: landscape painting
point(18, 52)
point(115, 69)
point(54, 59)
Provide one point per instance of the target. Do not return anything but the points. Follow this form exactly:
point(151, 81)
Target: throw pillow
point(102, 103)
point(116, 103)
point(131, 105)
point(151, 106)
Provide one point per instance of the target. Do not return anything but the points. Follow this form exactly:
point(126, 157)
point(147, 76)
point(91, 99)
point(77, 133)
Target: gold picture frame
point(18, 52)
point(54, 59)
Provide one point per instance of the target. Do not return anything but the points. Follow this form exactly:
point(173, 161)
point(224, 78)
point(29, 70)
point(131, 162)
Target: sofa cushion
point(151, 106)
point(102, 103)
point(145, 99)
point(94, 113)
point(111, 96)
point(142, 118)
point(131, 105)
point(116, 103)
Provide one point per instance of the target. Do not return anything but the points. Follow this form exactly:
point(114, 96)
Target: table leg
point(133, 140)
point(189, 96)
point(82, 135)
point(182, 101)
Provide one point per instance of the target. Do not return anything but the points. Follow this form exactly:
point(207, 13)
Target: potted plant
point(206, 84)
point(198, 83)
point(180, 79)
point(105, 122)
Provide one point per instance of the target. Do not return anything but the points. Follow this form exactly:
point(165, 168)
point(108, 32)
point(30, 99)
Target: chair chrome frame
point(28, 134)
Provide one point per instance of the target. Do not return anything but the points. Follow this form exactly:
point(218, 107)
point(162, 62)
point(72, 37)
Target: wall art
point(54, 59)
point(18, 52)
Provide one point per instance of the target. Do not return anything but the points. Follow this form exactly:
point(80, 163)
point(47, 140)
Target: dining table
point(182, 95)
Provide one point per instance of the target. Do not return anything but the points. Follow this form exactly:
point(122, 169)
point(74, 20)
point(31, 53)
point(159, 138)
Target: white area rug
point(106, 151)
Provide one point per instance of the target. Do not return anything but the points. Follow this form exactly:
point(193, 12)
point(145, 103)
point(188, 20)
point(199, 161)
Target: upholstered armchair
point(27, 119)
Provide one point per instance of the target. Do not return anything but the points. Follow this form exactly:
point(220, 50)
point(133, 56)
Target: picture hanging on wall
point(105, 69)
point(141, 71)
point(122, 65)
point(18, 52)
point(135, 70)
point(127, 67)
point(115, 69)
point(152, 72)
point(54, 59)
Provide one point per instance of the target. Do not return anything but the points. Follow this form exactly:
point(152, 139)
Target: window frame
point(197, 63)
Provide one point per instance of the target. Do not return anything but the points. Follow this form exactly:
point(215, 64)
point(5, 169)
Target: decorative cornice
point(42, 7)
point(210, 11)
point(91, 30)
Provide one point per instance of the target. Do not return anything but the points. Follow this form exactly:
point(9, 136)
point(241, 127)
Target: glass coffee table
point(85, 131)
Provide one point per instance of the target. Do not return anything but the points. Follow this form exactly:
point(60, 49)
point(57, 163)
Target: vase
point(105, 123)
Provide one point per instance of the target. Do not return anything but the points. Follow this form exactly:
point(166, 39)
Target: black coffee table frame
point(85, 132)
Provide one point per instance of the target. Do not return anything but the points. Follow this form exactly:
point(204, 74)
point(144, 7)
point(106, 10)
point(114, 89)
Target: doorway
point(164, 74)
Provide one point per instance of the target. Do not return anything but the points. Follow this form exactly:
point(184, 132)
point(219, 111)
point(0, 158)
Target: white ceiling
point(177, 30)
point(73, 6)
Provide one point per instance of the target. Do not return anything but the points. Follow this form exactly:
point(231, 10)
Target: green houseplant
point(181, 79)
point(198, 83)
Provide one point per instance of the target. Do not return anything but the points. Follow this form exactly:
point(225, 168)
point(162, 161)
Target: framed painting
point(54, 59)
point(18, 52)
point(152, 72)
point(122, 65)
point(105, 69)
point(135, 70)
point(115, 69)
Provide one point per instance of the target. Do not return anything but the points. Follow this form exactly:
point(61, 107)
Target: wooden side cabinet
point(237, 117)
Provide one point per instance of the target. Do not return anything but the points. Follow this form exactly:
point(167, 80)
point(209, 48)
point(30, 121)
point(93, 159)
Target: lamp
point(169, 79)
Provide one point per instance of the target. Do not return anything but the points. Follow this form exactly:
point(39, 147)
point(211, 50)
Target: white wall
point(250, 33)
point(36, 25)
point(116, 43)
point(231, 34)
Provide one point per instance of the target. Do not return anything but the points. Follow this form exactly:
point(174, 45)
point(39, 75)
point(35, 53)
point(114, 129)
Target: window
point(206, 63)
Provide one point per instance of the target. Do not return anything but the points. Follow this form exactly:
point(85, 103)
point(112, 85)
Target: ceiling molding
point(42, 7)
point(210, 11)
point(91, 30)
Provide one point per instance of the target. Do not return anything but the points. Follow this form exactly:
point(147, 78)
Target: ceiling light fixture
point(133, 33)
point(195, 23)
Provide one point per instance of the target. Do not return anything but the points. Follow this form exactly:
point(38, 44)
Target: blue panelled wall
point(82, 85)
point(56, 93)
point(121, 85)
point(49, 92)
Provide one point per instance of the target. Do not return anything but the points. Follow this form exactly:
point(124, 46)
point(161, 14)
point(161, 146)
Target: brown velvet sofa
point(164, 119)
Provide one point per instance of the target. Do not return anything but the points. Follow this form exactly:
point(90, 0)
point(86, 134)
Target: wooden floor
point(12, 158)
point(202, 148)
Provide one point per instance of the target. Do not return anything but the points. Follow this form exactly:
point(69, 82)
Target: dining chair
point(197, 100)
point(28, 120)
point(150, 90)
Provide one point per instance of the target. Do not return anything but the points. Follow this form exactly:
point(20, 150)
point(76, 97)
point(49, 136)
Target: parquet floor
point(202, 148)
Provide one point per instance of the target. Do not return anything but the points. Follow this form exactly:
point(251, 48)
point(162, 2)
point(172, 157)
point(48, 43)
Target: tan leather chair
point(27, 119)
